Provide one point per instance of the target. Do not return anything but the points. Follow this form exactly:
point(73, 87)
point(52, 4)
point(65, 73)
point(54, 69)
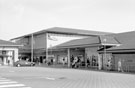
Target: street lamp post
point(32, 48)
point(104, 49)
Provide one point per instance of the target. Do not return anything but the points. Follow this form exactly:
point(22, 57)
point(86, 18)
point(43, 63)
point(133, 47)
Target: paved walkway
point(91, 79)
point(75, 78)
point(80, 68)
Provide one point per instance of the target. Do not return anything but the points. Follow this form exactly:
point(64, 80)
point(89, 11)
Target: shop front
point(93, 59)
point(8, 52)
point(6, 57)
point(77, 57)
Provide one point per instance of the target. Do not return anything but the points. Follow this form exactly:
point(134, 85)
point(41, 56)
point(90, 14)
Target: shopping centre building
point(66, 46)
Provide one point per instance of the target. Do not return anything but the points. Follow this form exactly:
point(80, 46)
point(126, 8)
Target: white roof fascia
point(111, 44)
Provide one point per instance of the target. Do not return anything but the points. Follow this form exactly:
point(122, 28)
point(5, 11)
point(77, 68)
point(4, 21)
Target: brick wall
point(127, 60)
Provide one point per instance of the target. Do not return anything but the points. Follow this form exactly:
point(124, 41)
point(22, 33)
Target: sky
point(20, 17)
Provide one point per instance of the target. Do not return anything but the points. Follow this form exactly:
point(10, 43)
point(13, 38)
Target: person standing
point(63, 61)
point(8, 62)
point(120, 66)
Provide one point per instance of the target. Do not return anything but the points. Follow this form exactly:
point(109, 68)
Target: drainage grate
point(62, 77)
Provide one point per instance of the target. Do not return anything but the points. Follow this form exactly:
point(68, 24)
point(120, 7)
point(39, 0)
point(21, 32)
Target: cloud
point(19, 11)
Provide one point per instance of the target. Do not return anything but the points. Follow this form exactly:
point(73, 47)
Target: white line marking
point(12, 85)
point(8, 82)
point(50, 78)
point(5, 83)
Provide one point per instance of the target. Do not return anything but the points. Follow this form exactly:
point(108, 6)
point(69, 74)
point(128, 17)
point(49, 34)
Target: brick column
point(99, 62)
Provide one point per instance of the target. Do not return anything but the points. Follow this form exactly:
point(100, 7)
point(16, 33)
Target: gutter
point(11, 45)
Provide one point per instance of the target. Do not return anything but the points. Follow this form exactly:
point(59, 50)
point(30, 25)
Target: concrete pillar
point(16, 55)
point(46, 46)
point(10, 59)
point(69, 62)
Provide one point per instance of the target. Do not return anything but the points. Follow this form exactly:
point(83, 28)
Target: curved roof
point(62, 30)
point(73, 31)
